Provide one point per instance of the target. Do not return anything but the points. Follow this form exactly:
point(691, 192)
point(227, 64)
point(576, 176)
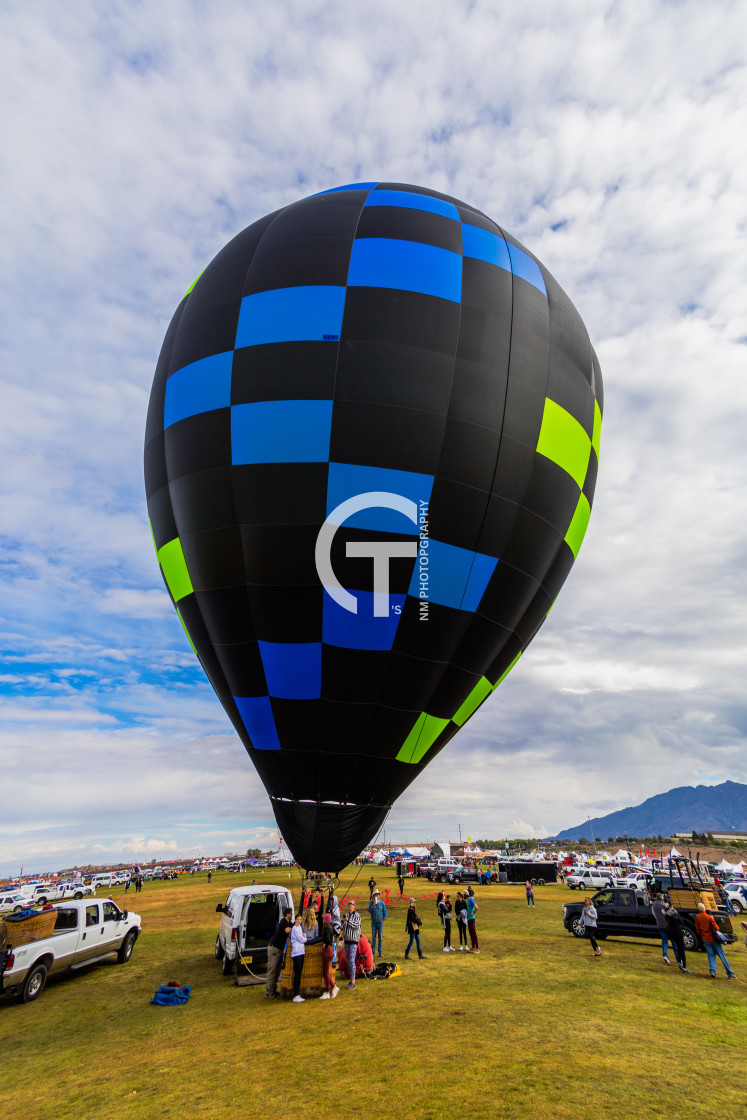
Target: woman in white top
point(298, 952)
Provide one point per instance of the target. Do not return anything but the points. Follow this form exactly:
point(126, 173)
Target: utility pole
point(592, 834)
point(460, 834)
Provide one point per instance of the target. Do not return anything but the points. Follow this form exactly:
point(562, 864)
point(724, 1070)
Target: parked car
point(13, 903)
point(249, 918)
point(737, 895)
point(624, 912)
point(85, 932)
point(589, 877)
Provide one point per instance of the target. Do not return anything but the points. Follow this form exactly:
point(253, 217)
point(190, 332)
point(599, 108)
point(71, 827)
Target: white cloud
point(139, 139)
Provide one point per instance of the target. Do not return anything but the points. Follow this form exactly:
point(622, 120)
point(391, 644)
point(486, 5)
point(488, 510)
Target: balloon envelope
point(370, 459)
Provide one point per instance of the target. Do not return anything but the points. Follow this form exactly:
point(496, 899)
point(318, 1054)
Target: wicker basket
point(21, 931)
point(312, 977)
point(684, 899)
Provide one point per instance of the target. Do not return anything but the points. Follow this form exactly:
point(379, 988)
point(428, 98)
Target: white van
point(593, 878)
point(104, 879)
point(249, 917)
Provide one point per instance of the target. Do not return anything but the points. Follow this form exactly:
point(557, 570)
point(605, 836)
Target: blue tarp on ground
point(168, 996)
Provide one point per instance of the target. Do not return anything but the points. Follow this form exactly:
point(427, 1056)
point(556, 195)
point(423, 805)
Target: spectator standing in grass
point(328, 952)
point(275, 949)
point(351, 932)
point(460, 908)
point(710, 935)
point(659, 911)
point(298, 953)
point(210, 875)
point(589, 918)
point(530, 894)
point(377, 910)
point(371, 887)
point(676, 936)
point(412, 926)
point(401, 884)
point(472, 909)
point(445, 910)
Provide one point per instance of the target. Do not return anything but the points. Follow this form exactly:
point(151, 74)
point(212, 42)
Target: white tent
point(724, 866)
point(674, 852)
point(441, 850)
point(380, 857)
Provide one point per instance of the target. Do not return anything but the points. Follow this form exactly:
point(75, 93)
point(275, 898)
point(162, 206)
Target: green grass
point(532, 1027)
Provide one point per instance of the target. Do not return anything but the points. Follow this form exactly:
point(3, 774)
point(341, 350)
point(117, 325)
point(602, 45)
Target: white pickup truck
point(58, 892)
point(85, 931)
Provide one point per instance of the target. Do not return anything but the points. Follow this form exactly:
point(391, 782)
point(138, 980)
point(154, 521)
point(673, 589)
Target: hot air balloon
point(370, 459)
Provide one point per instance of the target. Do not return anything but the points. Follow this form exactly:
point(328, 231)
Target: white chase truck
point(249, 918)
point(85, 932)
point(58, 892)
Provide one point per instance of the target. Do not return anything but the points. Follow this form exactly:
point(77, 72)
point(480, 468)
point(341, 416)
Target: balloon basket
point(22, 931)
point(312, 976)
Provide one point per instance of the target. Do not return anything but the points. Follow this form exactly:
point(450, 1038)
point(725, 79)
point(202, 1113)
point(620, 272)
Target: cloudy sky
point(138, 138)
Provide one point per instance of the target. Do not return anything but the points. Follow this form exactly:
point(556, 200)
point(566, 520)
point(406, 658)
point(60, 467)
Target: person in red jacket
point(706, 926)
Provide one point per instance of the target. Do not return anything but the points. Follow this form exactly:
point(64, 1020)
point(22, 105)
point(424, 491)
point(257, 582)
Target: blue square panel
point(485, 246)
point(350, 482)
point(293, 669)
point(454, 577)
point(362, 630)
point(304, 314)
point(281, 432)
point(199, 387)
point(522, 265)
point(348, 187)
point(413, 201)
point(410, 266)
point(256, 713)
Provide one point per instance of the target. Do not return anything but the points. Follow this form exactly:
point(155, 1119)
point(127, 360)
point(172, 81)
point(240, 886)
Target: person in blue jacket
point(377, 910)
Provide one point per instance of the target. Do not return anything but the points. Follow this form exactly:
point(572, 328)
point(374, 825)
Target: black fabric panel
point(485, 336)
point(500, 519)
point(387, 733)
point(214, 558)
point(569, 337)
point(214, 672)
point(478, 394)
point(280, 554)
point(203, 501)
point(405, 224)
point(551, 493)
point(508, 595)
point(532, 545)
point(510, 651)
point(299, 262)
point(399, 375)
point(286, 614)
point(226, 616)
point(533, 617)
point(242, 667)
point(410, 682)
point(480, 646)
point(354, 675)
point(328, 215)
point(401, 318)
point(154, 422)
point(199, 443)
point(327, 837)
point(469, 454)
point(558, 571)
point(161, 517)
point(200, 336)
point(280, 493)
point(156, 475)
point(456, 514)
point(453, 689)
point(283, 371)
point(486, 287)
point(409, 188)
point(380, 435)
point(297, 723)
point(189, 609)
point(590, 482)
point(343, 727)
point(223, 279)
point(528, 365)
point(515, 462)
point(472, 217)
point(436, 636)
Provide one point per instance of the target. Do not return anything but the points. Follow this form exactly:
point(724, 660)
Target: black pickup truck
point(624, 912)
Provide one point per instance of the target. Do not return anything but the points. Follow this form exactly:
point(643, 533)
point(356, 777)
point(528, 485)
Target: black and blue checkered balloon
point(370, 458)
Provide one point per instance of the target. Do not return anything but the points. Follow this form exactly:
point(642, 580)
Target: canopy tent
point(674, 852)
point(441, 850)
point(380, 857)
point(725, 866)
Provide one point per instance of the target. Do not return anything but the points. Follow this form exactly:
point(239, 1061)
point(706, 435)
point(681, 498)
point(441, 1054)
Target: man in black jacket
point(275, 952)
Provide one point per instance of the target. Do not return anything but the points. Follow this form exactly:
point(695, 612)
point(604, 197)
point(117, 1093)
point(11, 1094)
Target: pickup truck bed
point(625, 912)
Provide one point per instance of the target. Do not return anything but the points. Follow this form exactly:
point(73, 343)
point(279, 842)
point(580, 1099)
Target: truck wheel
point(690, 939)
point(42, 901)
point(78, 895)
point(737, 906)
point(17, 909)
point(125, 950)
point(219, 950)
point(572, 886)
point(540, 882)
point(34, 983)
point(577, 927)
point(227, 966)
point(534, 882)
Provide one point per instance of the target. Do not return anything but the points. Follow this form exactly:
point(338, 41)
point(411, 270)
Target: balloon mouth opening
point(326, 836)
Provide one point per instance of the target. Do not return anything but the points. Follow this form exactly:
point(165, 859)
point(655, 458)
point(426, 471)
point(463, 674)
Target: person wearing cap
point(275, 950)
point(351, 931)
point(328, 952)
point(377, 910)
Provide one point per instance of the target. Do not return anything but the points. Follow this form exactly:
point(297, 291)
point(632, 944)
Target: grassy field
point(532, 1027)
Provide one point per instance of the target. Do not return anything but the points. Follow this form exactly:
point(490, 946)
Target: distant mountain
point(720, 808)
